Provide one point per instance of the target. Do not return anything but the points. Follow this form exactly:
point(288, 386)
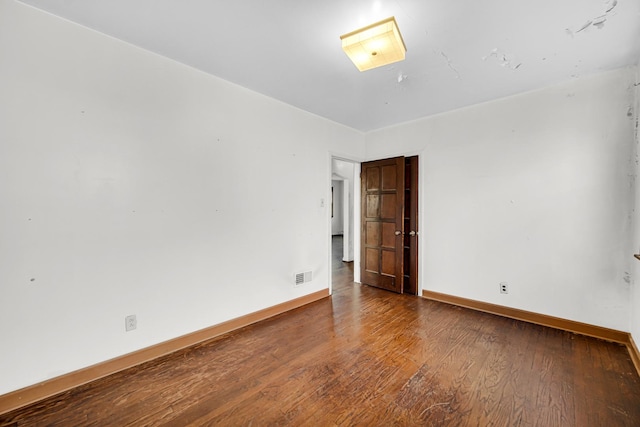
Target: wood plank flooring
point(365, 357)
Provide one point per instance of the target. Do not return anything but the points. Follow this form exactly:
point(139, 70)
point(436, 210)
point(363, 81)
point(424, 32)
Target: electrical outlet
point(130, 323)
point(504, 288)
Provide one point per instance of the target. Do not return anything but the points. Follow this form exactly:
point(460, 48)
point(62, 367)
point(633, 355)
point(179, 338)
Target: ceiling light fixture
point(374, 45)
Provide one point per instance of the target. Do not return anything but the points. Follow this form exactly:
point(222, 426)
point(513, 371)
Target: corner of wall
point(635, 278)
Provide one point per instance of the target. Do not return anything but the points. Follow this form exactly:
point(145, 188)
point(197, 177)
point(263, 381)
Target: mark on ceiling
point(444, 55)
point(505, 59)
point(584, 26)
point(598, 21)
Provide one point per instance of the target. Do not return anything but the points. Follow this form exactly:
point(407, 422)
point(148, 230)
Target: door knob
point(398, 233)
point(412, 233)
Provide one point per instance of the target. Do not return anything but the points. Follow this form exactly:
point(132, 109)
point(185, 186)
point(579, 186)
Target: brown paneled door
point(383, 193)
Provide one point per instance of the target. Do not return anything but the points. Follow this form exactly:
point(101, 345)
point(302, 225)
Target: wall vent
point(305, 277)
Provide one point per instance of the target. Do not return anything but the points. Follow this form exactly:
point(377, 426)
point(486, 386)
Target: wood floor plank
point(365, 357)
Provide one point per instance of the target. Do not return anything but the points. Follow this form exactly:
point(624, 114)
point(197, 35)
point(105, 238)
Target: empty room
point(381, 212)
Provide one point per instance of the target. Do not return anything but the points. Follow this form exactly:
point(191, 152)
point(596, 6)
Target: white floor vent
point(305, 277)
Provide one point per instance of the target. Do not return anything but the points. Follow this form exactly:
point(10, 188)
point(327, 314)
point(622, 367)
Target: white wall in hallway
point(346, 170)
point(337, 219)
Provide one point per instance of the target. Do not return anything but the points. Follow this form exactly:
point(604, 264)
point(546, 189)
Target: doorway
point(344, 207)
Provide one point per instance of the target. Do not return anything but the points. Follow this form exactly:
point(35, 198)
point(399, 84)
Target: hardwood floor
point(366, 357)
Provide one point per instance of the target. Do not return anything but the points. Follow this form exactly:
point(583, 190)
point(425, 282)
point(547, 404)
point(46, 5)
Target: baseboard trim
point(34, 393)
point(544, 320)
point(634, 353)
point(531, 317)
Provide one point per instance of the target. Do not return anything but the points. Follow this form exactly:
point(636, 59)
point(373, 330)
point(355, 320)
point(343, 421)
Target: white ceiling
point(459, 53)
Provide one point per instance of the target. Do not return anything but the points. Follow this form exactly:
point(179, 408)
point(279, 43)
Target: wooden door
point(382, 258)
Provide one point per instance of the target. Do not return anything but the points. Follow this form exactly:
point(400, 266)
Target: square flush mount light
point(374, 45)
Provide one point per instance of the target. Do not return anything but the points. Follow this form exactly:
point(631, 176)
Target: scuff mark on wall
point(630, 112)
point(505, 59)
point(444, 55)
point(598, 21)
point(401, 77)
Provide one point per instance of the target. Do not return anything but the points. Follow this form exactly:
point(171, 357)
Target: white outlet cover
point(130, 323)
point(504, 288)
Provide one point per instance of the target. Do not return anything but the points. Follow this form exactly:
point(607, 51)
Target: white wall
point(635, 293)
point(130, 184)
point(346, 170)
point(337, 220)
point(533, 190)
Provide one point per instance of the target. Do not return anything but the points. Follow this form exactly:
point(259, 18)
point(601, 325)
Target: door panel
point(373, 205)
point(373, 234)
point(373, 179)
point(388, 235)
point(389, 177)
point(372, 261)
point(388, 262)
point(388, 206)
point(383, 202)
